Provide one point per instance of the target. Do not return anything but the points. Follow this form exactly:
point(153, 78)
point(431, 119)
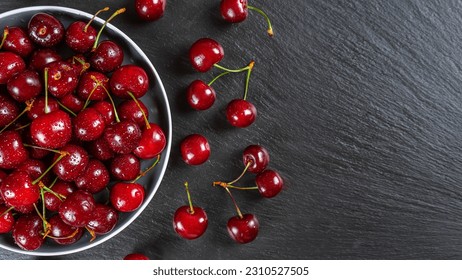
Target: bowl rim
point(165, 153)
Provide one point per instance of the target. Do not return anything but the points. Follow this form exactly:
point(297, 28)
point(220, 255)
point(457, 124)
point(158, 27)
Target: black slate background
point(359, 106)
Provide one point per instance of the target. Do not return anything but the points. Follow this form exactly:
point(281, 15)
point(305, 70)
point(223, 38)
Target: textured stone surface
point(359, 106)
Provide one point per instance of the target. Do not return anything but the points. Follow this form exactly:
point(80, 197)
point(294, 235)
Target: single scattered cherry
point(195, 149)
point(150, 10)
point(241, 113)
point(269, 183)
point(205, 53)
point(190, 222)
point(200, 96)
point(237, 11)
point(257, 157)
point(244, 228)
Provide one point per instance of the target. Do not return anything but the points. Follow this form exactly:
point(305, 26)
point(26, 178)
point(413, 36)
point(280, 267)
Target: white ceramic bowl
point(155, 100)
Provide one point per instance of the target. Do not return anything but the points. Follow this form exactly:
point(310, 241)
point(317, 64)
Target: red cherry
point(18, 42)
point(72, 102)
point(129, 110)
point(80, 37)
point(269, 183)
point(94, 178)
point(17, 190)
point(126, 197)
point(77, 209)
point(72, 165)
point(107, 57)
point(9, 109)
point(104, 219)
point(241, 113)
point(136, 256)
point(42, 57)
point(27, 232)
point(45, 30)
point(52, 130)
point(152, 142)
point(195, 149)
point(204, 53)
point(129, 78)
point(100, 149)
point(190, 225)
point(150, 10)
point(243, 230)
point(125, 167)
point(123, 136)
point(10, 64)
point(33, 167)
point(93, 83)
point(106, 110)
point(52, 202)
point(6, 219)
point(257, 157)
point(89, 125)
point(38, 107)
point(234, 10)
point(12, 151)
point(63, 78)
point(63, 233)
point(24, 85)
point(200, 96)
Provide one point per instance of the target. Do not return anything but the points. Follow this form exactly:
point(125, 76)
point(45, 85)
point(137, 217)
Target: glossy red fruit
point(89, 125)
point(38, 107)
point(195, 149)
point(52, 130)
point(80, 63)
point(10, 64)
point(42, 57)
point(269, 183)
point(104, 219)
point(9, 110)
point(152, 142)
point(62, 78)
point(129, 110)
point(24, 85)
point(125, 167)
point(241, 113)
point(17, 190)
point(77, 209)
point(6, 219)
point(107, 56)
point(204, 53)
point(63, 188)
point(243, 230)
point(200, 96)
point(12, 151)
point(45, 30)
point(34, 168)
point(63, 233)
point(92, 86)
point(129, 78)
point(150, 10)
point(94, 178)
point(126, 197)
point(234, 10)
point(18, 42)
point(190, 225)
point(72, 102)
point(100, 149)
point(79, 37)
point(258, 158)
point(27, 232)
point(71, 166)
point(136, 257)
point(106, 110)
point(122, 137)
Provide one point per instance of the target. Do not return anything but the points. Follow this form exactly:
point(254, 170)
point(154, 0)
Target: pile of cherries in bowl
point(75, 134)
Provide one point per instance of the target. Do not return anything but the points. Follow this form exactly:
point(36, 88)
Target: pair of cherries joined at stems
point(90, 141)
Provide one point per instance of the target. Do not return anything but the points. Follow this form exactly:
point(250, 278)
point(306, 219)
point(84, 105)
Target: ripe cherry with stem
point(189, 221)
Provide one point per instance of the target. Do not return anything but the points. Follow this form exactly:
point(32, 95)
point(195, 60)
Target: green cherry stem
point(118, 12)
point(232, 70)
point(270, 27)
point(6, 211)
point(239, 213)
point(191, 208)
point(5, 34)
point(93, 18)
point(108, 95)
point(29, 104)
point(217, 77)
point(142, 173)
point(62, 154)
point(247, 79)
point(67, 109)
point(45, 78)
point(148, 126)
